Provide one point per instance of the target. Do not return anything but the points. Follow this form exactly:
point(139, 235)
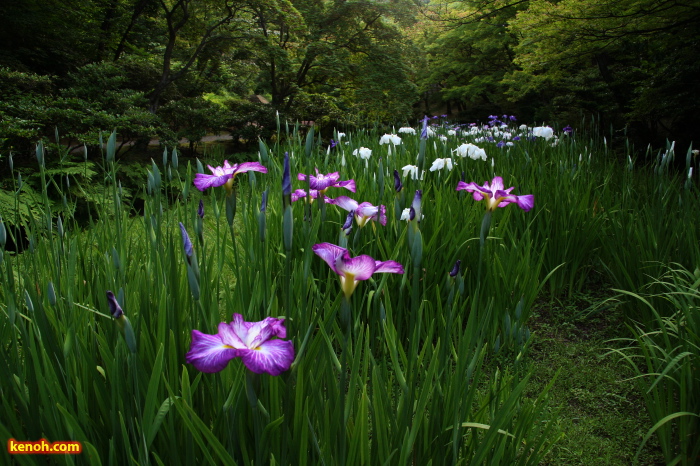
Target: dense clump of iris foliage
point(235, 321)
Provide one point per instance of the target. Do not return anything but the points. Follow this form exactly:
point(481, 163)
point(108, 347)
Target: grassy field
point(468, 295)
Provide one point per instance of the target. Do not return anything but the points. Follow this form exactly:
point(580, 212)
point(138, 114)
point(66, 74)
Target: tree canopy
point(181, 68)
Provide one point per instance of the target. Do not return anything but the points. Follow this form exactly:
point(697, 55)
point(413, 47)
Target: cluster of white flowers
point(407, 130)
point(472, 151)
point(451, 132)
point(543, 132)
point(363, 152)
point(390, 139)
point(439, 164)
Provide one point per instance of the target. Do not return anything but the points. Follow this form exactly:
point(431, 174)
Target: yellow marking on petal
point(229, 185)
point(348, 284)
point(228, 347)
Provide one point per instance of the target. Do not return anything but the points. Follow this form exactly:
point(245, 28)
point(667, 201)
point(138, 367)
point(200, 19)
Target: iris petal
point(345, 203)
point(497, 184)
point(360, 267)
point(271, 357)
point(248, 167)
point(526, 202)
point(208, 353)
point(229, 335)
point(203, 181)
point(348, 184)
point(388, 267)
point(329, 253)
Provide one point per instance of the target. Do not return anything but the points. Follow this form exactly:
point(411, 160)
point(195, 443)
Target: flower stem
point(485, 227)
point(257, 424)
point(346, 325)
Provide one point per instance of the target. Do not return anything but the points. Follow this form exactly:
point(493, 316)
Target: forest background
point(172, 69)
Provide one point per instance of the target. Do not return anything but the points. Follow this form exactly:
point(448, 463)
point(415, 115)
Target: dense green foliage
point(147, 67)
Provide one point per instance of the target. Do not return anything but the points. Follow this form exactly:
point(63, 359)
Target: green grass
point(600, 413)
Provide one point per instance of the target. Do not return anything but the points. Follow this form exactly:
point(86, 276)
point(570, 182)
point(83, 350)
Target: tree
point(469, 50)
point(332, 48)
point(635, 60)
point(192, 29)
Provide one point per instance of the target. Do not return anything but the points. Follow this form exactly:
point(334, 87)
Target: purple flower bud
point(186, 243)
point(398, 186)
point(200, 209)
point(347, 226)
point(411, 213)
point(286, 177)
point(263, 204)
point(114, 307)
point(464, 176)
point(424, 131)
point(455, 269)
point(416, 205)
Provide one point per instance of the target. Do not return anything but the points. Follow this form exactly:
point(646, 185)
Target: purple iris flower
point(333, 144)
point(322, 182)
point(512, 118)
point(301, 194)
point(568, 129)
point(223, 176)
point(501, 144)
point(443, 116)
point(496, 195)
point(353, 269)
point(363, 212)
point(490, 139)
point(251, 341)
point(516, 138)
